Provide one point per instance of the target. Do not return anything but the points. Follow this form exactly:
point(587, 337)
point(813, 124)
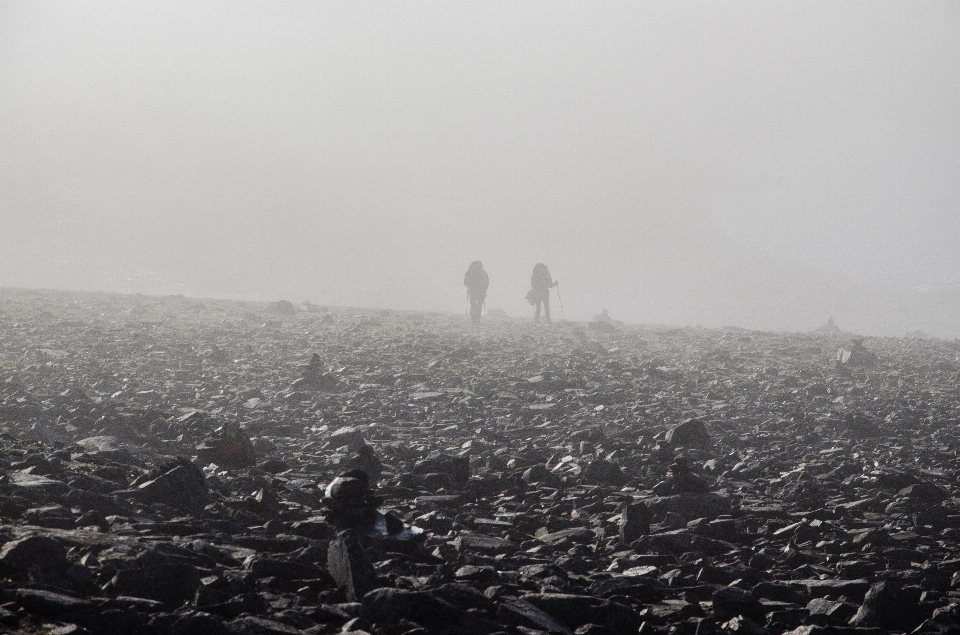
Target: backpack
point(541, 276)
point(476, 278)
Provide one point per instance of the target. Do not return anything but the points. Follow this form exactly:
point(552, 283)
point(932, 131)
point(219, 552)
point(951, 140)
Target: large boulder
point(18, 556)
point(182, 487)
point(604, 472)
point(577, 610)
point(888, 606)
point(729, 602)
point(171, 584)
point(692, 433)
point(385, 607)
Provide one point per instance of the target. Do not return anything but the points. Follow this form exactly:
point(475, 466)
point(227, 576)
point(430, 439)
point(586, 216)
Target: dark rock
point(385, 607)
point(691, 505)
point(473, 543)
point(349, 503)
point(667, 542)
point(777, 592)
point(251, 625)
point(260, 567)
point(182, 487)
point(456, 467)
point(346, 436)
point(539, 474)
point(274, 466)
point(741, 625)
point(281, 307)
point(366, 461)
point(231, 449)
point(350, 567)
point(692, 433)
point(645, 590)
point(435, 521)
point(53, 516)
point(634, 521)
point(242, 603)
point(94, 501)
point(171, 584)
point(464, 597)
point(315, 528)
point(134, 605)
point(888, 606)
point(198, 623)
point(854, 589)
point(519, 612)
point(681, 478)
point(604, 472)
point(826, 612)
point(577, 610)
point(47, 554)
point(115, 621)
point(578, 535)
point(924, 492)
point(314, 379)
point(38, 489)
point(729, 602)
point(48, 603)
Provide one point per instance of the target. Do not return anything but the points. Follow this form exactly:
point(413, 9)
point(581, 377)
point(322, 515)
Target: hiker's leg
point(546, 308)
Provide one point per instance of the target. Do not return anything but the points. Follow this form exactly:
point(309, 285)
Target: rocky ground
point(165, 463)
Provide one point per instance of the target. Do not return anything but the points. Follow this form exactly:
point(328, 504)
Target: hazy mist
point(761, 164)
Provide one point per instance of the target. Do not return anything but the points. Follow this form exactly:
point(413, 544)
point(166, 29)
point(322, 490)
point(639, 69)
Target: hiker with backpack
point(540, 285)
point(476, 280)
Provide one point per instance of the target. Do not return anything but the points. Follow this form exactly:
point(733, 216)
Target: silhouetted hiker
point(476, 280)
point(540, 284)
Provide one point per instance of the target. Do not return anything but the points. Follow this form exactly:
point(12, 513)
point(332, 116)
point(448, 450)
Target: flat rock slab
point(36, 487)
point(441, 501)
point(484, 544)
point(47, 602)
point(251, 625)
point(171, 584)
point(519, 612)
point(45, 553)
point(821, 588)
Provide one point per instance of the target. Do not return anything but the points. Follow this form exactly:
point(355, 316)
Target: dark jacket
point(476, 280)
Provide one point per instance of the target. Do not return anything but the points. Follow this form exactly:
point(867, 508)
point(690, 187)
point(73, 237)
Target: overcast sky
point(363, 153)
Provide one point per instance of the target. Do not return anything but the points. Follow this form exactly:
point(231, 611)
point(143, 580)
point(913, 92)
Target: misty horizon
point(763, 165)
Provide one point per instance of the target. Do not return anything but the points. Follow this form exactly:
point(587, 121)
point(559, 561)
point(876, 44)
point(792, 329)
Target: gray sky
point(686, 162)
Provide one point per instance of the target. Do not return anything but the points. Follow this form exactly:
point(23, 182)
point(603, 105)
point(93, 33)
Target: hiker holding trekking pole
point(540, 285)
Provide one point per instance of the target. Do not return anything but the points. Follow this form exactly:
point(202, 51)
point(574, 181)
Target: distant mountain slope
point(692, 273)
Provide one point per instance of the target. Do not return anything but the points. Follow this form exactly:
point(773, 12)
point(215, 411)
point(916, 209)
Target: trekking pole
point(561, 303)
